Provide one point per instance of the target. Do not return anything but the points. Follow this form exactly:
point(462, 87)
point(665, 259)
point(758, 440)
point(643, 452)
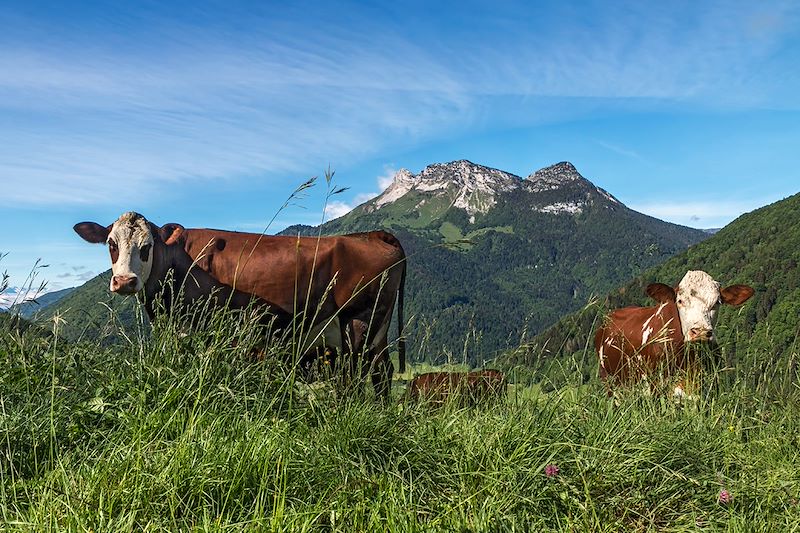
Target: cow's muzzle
point(700, 335)
point(124, 284)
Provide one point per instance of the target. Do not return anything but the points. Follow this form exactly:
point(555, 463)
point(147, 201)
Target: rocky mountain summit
point(475, 188)
point(466, 185)
point(562, 175)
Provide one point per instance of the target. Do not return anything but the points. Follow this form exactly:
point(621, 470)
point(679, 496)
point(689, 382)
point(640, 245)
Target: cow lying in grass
point(636, 343)
point(466, 388)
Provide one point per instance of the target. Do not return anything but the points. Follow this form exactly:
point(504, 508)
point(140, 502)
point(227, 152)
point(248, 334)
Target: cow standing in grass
point(350, 282)
point(634, 343)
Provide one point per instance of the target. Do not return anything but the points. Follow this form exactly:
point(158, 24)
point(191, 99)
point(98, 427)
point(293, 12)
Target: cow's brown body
point(635, 342)
point(355, 278)
point(178, 285)
point(464, 387)
point(295, 272)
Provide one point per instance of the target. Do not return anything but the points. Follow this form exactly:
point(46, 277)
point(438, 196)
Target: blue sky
point(211, 113)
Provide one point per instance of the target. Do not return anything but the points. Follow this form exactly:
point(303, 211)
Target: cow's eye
point(113, 250)
point(144, 253)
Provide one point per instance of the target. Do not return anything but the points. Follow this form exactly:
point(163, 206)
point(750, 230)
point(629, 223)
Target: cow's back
point(467, 388)
point(434, 387)
point(278, 268)
point(487, 384)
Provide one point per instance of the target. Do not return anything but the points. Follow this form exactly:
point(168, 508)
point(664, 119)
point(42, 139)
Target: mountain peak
point(464, 170)
point(459, 165)
point(562, 175)
point(475, 188)
point(402, 182)
point(467, 185)
point(557, 174)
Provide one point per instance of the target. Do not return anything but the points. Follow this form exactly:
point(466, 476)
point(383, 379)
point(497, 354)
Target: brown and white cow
point(467, 388)
point(636, 342)
point(350, 280)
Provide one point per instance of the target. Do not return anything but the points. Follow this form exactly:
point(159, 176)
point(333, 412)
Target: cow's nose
point(123, 284)
point(700, 334)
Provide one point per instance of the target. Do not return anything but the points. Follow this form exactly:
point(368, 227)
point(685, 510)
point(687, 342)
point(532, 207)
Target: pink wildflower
point(551, 470)
point(724, 497)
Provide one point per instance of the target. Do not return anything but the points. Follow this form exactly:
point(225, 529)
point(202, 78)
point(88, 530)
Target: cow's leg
point(380, 364)
point(690, 385)
point(381, 370)
point(354, 335)
point(333, 343)
point(606, 379)
point(317, 353)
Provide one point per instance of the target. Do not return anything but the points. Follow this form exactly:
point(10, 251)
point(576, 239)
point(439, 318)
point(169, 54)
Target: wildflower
point(551, 470)
point(730, 428)
point(724, 497)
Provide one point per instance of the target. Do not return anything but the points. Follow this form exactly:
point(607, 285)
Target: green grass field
point(168, 432)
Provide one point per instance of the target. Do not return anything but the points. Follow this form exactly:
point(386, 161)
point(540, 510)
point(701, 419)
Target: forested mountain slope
point(92, 312)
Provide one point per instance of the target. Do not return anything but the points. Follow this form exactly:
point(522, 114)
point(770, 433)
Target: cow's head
point(698, 297)
point(132, 243)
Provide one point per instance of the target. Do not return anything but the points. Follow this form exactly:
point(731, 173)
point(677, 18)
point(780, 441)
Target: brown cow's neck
point(178, 285)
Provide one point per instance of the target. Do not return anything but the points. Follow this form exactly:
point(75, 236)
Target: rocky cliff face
point(463, 184)
point(475, 189)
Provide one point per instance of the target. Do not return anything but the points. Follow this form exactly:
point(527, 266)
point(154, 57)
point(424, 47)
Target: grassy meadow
point(168, 432)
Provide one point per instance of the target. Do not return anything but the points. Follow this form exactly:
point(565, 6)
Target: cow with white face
point(635, 342)
point(143, 255)
point(130, 244)
point(341, 287)
point(698, 297)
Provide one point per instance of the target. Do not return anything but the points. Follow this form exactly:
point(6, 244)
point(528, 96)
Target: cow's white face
point(130, 244)
point(698, 298)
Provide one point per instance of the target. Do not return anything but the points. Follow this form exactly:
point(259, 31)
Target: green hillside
point(761, 249)
point(92, 312)
point(30, 308)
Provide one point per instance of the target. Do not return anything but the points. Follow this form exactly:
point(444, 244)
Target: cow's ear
point(661, 293)
point(736, 294)
point(92, 232)
point(171, 233)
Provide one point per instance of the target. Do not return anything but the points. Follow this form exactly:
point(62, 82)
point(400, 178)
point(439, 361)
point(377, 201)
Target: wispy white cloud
point(16, 295)
point(705, 214)
point(386, 179)
point(92, 125)
point(621, 150)
point(336, 209)
point(93, 122)
point(8, 298)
